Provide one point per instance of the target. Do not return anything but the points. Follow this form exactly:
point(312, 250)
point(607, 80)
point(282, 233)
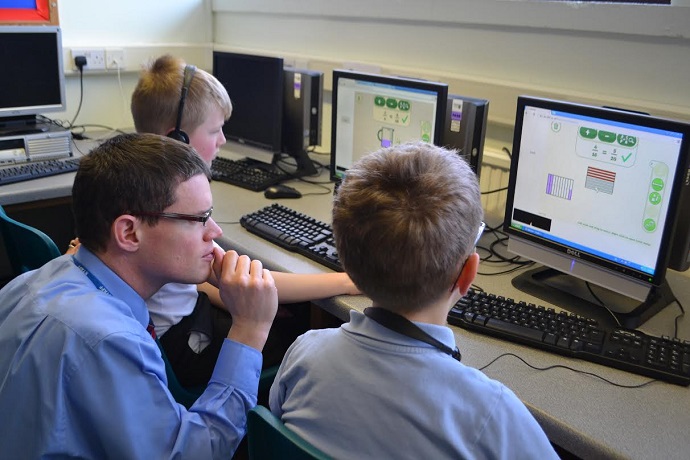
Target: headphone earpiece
point(177, 133)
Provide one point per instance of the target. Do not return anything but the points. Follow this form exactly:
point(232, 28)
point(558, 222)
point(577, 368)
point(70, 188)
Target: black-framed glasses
point(482, 226)
point(203, 218)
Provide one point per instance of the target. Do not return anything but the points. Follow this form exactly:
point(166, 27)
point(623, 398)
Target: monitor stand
point(304, 164)
point(571, 294)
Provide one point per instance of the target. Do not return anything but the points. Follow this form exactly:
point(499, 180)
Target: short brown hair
point(129, 174)
point(404, 219)
point(156, 98)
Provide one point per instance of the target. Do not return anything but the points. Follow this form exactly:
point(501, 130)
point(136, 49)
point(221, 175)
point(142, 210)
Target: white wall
point(144, 29)
point(636, 57)
point(630, 56)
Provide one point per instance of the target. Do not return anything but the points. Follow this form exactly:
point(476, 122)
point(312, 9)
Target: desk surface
point(583, 414)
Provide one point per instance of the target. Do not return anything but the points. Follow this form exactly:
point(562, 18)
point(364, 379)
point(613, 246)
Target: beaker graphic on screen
point(385, 135)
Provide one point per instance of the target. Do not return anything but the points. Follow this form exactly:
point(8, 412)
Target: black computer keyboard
point(295, 232)
point(572, 335)
point(247, 173)
point(28, 171)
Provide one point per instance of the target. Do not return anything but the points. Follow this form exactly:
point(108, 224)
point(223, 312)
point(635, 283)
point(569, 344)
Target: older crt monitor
point(594, 193)
point(32, 76)
point(374, 111)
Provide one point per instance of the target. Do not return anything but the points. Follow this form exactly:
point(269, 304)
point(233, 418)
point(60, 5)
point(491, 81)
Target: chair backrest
point(268, 438)
point(27, 247)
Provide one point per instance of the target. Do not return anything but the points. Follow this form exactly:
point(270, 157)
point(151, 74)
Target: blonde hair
point(156, 98)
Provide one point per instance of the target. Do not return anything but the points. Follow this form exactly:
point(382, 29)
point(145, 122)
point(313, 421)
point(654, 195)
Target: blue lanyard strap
point(96, 282)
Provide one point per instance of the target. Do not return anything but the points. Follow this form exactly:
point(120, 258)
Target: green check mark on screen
point(627, 157)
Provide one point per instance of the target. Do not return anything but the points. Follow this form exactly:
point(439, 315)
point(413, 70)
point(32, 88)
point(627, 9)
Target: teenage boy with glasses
point(79, 372)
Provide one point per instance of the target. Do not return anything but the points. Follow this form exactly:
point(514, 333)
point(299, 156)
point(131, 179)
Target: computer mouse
point(281, 191)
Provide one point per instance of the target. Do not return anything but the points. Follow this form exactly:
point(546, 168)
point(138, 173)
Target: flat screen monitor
point(594, 193)
point(373, 111)
point(255, 86)
point(32, 77)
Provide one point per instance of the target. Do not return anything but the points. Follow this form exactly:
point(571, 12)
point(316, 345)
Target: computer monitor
point(594, 193)
point(373, 111)
point(255, 86)
point(32, 79)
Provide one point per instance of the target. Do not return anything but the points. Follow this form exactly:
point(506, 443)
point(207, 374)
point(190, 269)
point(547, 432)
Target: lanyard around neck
point(403, 326)
point(96, 282)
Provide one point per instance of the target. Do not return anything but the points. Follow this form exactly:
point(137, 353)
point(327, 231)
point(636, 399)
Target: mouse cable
point(561, 366)
point(601, 302)
point(678, 316)
point(313, 150)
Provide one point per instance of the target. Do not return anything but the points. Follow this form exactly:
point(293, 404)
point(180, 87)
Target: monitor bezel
point(33, 110)
point(276, 116)
point(441, 89)
point(615, 270)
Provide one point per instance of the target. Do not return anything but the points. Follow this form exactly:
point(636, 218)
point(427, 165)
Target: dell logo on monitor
point(573, 252)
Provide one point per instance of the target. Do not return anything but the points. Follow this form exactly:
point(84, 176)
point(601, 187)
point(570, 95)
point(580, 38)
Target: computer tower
point(303, 99)
point(45, 142)
point(464, 128)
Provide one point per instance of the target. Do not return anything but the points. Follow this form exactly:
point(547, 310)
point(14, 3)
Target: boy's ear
point(469, 271)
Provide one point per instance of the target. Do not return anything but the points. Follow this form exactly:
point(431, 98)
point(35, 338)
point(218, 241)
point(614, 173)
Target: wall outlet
point(95, 58)
point(115, 58)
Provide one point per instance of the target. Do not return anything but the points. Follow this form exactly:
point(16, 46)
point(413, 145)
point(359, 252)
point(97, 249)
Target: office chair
point(27, 247)
point(268, 438)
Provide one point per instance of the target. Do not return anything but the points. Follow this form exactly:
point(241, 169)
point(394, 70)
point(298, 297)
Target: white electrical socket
point(95, 58)
point(115, 58)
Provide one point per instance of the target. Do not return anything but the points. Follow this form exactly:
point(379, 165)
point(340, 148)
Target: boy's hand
point(73, 246)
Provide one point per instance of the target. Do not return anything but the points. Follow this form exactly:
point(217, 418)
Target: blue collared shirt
point(364, 391)
point(80, 376)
